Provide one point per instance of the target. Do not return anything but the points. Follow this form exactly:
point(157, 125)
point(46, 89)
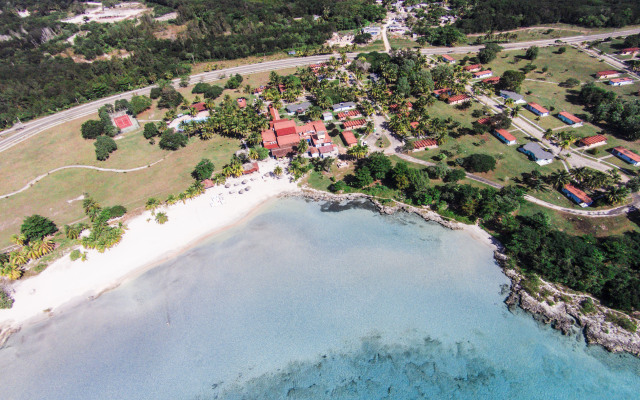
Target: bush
point(213, 92)
point(571, 82)
point(203, 170)
point(5, 300)
point(234, 82)
point(150, 130)
point(155, 93)
point(169, 98)
point(587, 306)
point(362, 38)
point(200, 88)
point(454, 175)
point(92, 129)
point(139, 104)
point(117, 211)
point(75, 254)
point(172, 141)
point(36, 227)
point(104, 146)
point(621, 321)
point(479, 163)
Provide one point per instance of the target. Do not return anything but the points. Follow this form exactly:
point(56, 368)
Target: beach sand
point(144, 245)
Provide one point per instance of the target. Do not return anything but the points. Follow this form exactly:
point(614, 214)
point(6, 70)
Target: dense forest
point(37, 76)
point(499, 15)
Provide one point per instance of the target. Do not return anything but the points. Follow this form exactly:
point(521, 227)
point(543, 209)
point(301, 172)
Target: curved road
point(17, 134)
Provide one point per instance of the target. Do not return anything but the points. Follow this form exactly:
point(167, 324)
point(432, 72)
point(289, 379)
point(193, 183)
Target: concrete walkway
point(34, 181)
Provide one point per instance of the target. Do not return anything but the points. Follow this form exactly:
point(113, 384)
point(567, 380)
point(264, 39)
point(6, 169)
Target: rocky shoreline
point(551, 304)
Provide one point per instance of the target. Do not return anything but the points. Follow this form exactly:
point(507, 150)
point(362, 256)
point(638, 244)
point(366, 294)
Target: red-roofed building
point(570, 119)
point(505, 136)
point(577, 195)
point(424, 144)
point(349, 114)
point(473, 68)
point(288, 140)
point(626, 155)
point(484, 121)
point(259, 90)
point(448, 58)
point(284, 127)
point(199, 106)
point(482, 74)
point(242, 102)
point(250, 168)
point(282, 152)
point(275, 115)
point(269, 140)
point(620, 81)
point(349, 138)
point(629, 51)
point(393, 107)
point(607, 74)
point(458, 99)
point(414, 124)
point(438, 92)
point(281, 88)
point(208, 184)
point(356, 123)
point(593, 141)
point(329, 150)
point(537, 109)
point(494, 80)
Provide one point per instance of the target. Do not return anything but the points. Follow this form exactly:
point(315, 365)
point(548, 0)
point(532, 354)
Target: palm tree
point(11, 271)
point(253, 154)
point(171, 199)
point(161, 218)
point(18, 258)
point(18, 239)
point(615, 175)
point(509, 102)
point(548, 134)
point(559, 179)
point(580, 173)
point(515, 111)
point(358, 151)
point(369, 128)
point(616, 195)
point(303, 145)
point(277, 170)
point(152, 204)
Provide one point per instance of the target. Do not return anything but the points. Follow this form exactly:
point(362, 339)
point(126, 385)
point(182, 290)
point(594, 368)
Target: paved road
point(17, 134)
point(612, 212)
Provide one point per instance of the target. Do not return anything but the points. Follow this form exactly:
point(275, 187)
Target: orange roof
point(448, 57)
point(483, 121)
point(578, 193)
point(538, 107)
point(418, 144)
point(284, 127)
point(607, 72)
point(481, 73)
point(438, 92)
point(459, 97)
point(493, 80)
point(628, 153)
point(414, 124)
point(630, 50)
point(275, 115)
point(318, 126)
point(283, 141)
point(326, 149)
point(354, 123)
point(351, 113)
point(472, 66)
point(242, 102)
point(199, 106)
point(626, 79)
point(571, 117)
point(505, 134)
point(588, 141)
point(349, 138)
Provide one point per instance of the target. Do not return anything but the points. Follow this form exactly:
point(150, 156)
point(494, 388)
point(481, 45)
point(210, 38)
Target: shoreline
point(559, 307)
point(145, 245)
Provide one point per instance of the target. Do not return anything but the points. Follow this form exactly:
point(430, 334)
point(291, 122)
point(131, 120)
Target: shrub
point(587, 306)
point(362, 38)
point(92, 129)
point(5, 299)
point(172, 141)
point(213, 92)
point(200, 88)
point(621, 321)
point(75, 254)
point(139, 104)
point(203, 170)
point(117, 211)
point(169, 98)
point(454, 175)
point(155, 93)
point(104, 146)
point(161, 218)
point(150, 130)
point(36, 227)
point(479, 163)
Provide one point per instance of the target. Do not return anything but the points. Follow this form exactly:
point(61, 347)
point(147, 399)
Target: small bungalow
point(300, 108)
point(516, 97)
point(537, 109)
point(482, 74)
point(593, 141)
point(424, 144)
point(505, 136)
point(354, 123)
point(484, 121)
point(577, 195)
point(349, 138)
point(536, 153)
point(349, 114)
point(458, 99)
point(607, 74)
point(242, 102)
point(372, 30)
point(448, 59)
point(473, 68)
point(349, 105)
point(494, 80)
point(250, 168)
point(626, 155)
point(570, 119)
point(439, 92)
point(629, 51)
point(208, 184)
point(330, 150)
point(200, 107)
point(269, 140)
point(620, 81)
point(327, 116)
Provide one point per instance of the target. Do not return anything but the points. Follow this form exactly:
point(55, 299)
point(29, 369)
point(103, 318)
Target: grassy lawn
point(383, 142)
point(402, 43)
point(376, 45)
point(578, 225)
point(202, 67)
point(443, 110)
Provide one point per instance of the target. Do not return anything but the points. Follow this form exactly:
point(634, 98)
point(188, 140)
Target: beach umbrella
point(244, 182)
point(247, 188)
point(228, 185)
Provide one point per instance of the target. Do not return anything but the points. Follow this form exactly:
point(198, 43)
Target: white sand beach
point(145, 244)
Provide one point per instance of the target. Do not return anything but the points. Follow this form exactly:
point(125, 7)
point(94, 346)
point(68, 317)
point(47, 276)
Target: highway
point(24, 131)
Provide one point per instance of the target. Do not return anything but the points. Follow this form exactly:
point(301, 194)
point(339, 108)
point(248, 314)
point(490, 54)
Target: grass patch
point(622, 321)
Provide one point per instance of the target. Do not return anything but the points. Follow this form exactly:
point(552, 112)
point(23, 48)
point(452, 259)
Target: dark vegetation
point(621, 114)
point(36, 227)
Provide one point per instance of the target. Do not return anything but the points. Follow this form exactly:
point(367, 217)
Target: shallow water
point(312, 300)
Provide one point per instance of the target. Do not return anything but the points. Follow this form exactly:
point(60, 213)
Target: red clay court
point(123, 122)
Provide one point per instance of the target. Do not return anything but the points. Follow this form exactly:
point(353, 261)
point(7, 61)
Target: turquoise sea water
point(310, 301)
